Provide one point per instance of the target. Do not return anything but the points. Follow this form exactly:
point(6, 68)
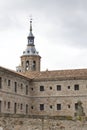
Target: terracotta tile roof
point(13, 72)
point(51, 75)
point(58, 74)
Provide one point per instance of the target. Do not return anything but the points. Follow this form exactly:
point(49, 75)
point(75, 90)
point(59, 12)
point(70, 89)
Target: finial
point(30, 23)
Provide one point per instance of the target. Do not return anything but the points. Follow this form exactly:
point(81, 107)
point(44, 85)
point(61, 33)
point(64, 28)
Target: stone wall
point(13, 90)
point(25, 123)
point(50, 97)
point(67, 97)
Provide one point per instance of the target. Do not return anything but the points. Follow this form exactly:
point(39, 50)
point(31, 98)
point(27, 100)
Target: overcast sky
point(59, 27)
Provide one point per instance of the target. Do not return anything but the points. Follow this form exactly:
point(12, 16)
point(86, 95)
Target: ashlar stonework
point(31, 99)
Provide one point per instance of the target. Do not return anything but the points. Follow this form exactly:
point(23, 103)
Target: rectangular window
point(41, 106)
point(76, 106)
point(76, 87)
point(15, 108)
point(0, 106)
point(21, 86)
point(9, 82)
point(58, 106)
point(15, 86)
point(0, 82)
point(21, 107)
point(58, 87)
point(41, 88)
point(26, 90)
point(8, 105)
point(26, 108)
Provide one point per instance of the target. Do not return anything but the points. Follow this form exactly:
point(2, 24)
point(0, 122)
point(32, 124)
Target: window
point(0, 82)
point(34, 65)
point(21, 86)
point(28, 51)
point(26, 90)
point(32, 107)
point(41, 88)
point(51, 106)
point(4, 104)
point(76, 87)
point(15, 86)
point(32, 89)
point(27, 65)
point(58, 106)
point(68, 87)
point(68, 106)
point(0, 106)
point(8, 105)
point(41, 106)
point(58, 87)
point(15, 108)
point(9, 82)
point(50, 88)
point(26, 108)
point(21, 107)
point(76, 106)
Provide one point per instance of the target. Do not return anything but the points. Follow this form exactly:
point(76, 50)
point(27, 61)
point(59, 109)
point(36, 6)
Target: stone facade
point(67, 97)
point(31, 99)
point(42, 104)
point(13, 92)
point(22, 95)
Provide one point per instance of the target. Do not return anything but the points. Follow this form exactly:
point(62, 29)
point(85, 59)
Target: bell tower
point(30, 60)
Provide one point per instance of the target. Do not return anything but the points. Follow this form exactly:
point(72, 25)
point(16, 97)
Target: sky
point(59, 27)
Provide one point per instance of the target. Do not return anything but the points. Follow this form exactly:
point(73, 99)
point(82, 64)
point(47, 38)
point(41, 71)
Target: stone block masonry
point(21, 122)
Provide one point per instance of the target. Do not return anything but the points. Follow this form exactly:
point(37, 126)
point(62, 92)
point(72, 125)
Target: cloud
point(61, 23)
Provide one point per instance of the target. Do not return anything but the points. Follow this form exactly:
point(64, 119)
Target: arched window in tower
point(27, 65)
point(34, 65)
point(22, 63)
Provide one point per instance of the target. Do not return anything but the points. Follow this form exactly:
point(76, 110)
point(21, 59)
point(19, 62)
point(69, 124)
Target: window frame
point(9, 82)
point(76, 87)
point(26, 89)
point(42, 107)
point(9, 105)
point(58, 87)
point(15, 87)
point(41, 88)
point(58, 106)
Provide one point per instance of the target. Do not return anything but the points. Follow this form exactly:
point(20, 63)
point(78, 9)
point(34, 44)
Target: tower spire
point(30, 60)
point(31, 25)
point(30, 37)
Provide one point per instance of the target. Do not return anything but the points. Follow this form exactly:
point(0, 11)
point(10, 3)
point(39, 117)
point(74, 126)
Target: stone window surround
point(41, 88)
point(76, 87)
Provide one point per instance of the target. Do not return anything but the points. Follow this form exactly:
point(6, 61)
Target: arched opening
point(27, 65)
point(34, 65)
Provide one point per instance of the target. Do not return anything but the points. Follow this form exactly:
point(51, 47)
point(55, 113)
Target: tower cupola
point(30, 60)
point(30, 50)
